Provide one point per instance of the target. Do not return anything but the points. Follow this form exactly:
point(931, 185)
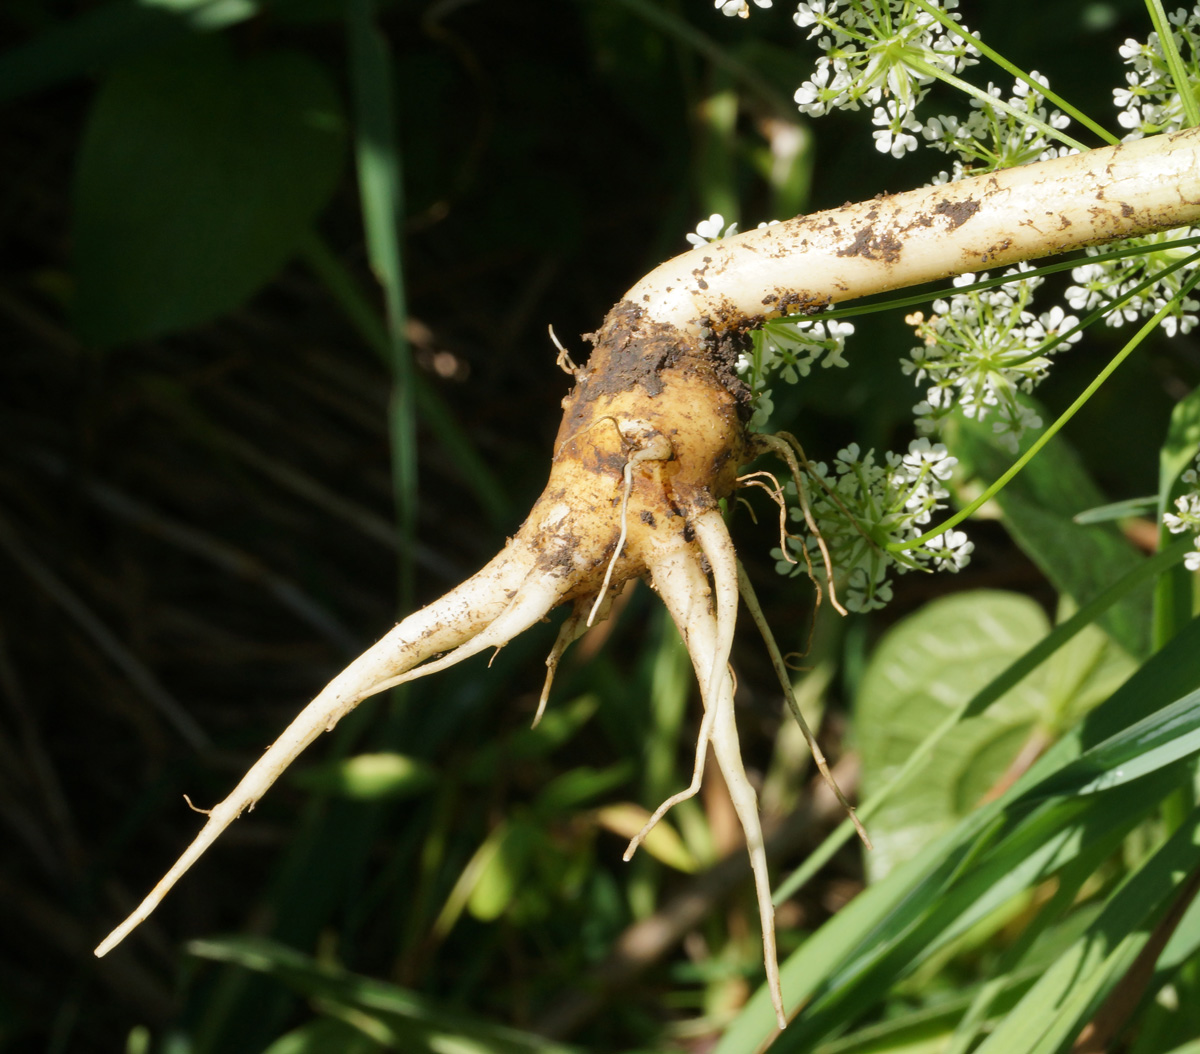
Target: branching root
point(650, 443)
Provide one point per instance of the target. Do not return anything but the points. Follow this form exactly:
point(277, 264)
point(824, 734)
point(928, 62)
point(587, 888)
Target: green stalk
point(1166, 40)
point(968, 88)
point(1053, 430)
point(377, 154)
point(1052, 97)
point(471, 468)
point(917, 299)
point(995, 689)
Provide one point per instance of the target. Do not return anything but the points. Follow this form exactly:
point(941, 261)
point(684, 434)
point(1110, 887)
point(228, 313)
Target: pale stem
point(899, 240)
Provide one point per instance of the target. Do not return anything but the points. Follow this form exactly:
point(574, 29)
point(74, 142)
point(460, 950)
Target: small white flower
point(709, 230)
point(738, 7)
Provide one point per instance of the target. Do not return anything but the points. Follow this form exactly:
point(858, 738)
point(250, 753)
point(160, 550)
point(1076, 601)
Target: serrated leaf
point(198, 175)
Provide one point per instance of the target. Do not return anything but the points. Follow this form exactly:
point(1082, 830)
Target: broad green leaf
point(198, 175)
point(108, 34)
point(1174, 599)
point(413, 1023)
point(1039, 507)
point(844, 968)
point(931, 664)
point(369, 777)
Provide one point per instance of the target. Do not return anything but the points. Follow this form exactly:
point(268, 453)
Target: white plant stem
point(898, 240)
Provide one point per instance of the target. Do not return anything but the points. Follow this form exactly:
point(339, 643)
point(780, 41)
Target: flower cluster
point(1100, 283)
point(1150, 102)
point(1187, 514)
point(710, 230)
point(981, 348)
point(861, 506)
point(996, 137)
point(789, 348)
point(881, 53)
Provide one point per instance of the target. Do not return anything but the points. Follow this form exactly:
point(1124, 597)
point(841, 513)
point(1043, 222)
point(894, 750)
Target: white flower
point(992, 138)
point(981, 349)
point(738, 7)
point(1186, 516)
point(877, 50)
point(1151, 102)
point(951, 551)
point(875, 505)
point(709, 230)
point(1102, 283)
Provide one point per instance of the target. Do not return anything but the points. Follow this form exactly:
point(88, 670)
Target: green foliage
point(197, 174)
point(934, 662)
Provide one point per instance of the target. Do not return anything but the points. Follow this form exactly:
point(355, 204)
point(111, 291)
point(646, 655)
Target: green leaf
point(1118, 510)
point(500, 877)
point(1068, 994)
point(1162, 738)
point(843, 969)
point(325, 1036)
point(198, 176)
point(369, 777)
point(1039, 507)
point(410, 1022)
point(109, 34)
point(928, 666)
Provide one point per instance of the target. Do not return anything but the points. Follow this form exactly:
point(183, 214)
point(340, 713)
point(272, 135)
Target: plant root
point(785, 682)
point(464, 614)
point(651, 441)
point(788, 447)
point(683, 586)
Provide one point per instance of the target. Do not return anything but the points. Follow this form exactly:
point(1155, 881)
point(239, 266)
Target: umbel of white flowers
point(981, 349)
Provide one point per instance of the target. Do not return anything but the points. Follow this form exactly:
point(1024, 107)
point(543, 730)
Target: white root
point(671, 572)
point(456, 621)
point(681, 582)
point(783, 444)
point(785, 682)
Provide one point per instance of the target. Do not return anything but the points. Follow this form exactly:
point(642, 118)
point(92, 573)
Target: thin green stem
point(994, 690)
point(1053, 430)
point(377, 154)
point(996, 103)
point(1179, 74)
point(915, 300)
point(1052, 97)
point(1105, 309)
point(471, 467)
